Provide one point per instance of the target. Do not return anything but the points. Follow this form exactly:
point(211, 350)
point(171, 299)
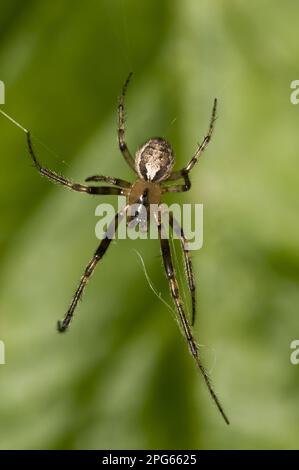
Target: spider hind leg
point(175, 226)
point(183, 321)
point(98, 255)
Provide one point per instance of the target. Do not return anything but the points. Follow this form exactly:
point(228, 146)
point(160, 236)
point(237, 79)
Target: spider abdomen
point(154, 160)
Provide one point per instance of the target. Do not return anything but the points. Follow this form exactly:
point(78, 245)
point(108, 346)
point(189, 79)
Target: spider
point(153, 166)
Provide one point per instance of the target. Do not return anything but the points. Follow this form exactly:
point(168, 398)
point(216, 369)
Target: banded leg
point(201, 148)
point(66, 182)
point(188, 263)
point(179, 188)
point(98, 255)
point(121, 127)
point(110, 180)
point(168, 265)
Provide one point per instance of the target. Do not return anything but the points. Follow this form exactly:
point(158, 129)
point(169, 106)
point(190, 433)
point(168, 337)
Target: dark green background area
point(122, 377)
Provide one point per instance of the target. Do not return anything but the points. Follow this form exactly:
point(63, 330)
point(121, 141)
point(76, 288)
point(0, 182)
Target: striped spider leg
point(183, 320)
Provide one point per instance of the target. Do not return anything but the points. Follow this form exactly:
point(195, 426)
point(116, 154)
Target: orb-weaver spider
point(153, 166)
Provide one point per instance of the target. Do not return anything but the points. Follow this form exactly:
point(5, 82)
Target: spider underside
point(153, 167)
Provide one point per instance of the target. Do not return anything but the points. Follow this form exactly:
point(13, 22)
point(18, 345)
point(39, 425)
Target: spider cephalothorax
point(153, 167)
point(154, 160)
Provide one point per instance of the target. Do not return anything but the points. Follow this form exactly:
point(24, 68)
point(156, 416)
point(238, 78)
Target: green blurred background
point(122, 377)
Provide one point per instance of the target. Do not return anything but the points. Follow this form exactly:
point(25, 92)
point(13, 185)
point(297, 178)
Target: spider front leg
point(110, 180)
point(173, 284)
point(180, 188)
point(201, 148)
point(98, 255)
point(66, 182)
point(121, 128)
point(187, 261)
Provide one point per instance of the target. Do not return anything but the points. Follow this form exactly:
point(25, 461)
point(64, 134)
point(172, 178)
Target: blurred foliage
point(122, 377)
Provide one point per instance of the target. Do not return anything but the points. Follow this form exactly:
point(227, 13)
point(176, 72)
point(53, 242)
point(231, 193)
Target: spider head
point(154, 160)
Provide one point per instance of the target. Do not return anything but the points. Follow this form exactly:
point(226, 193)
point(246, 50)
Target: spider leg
point(98, 255)
point(110, 180)
point(187, 260)
point(201, 148)
point(179, 188)
point(66, 182)
point(121, 127)
point(170, 273)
